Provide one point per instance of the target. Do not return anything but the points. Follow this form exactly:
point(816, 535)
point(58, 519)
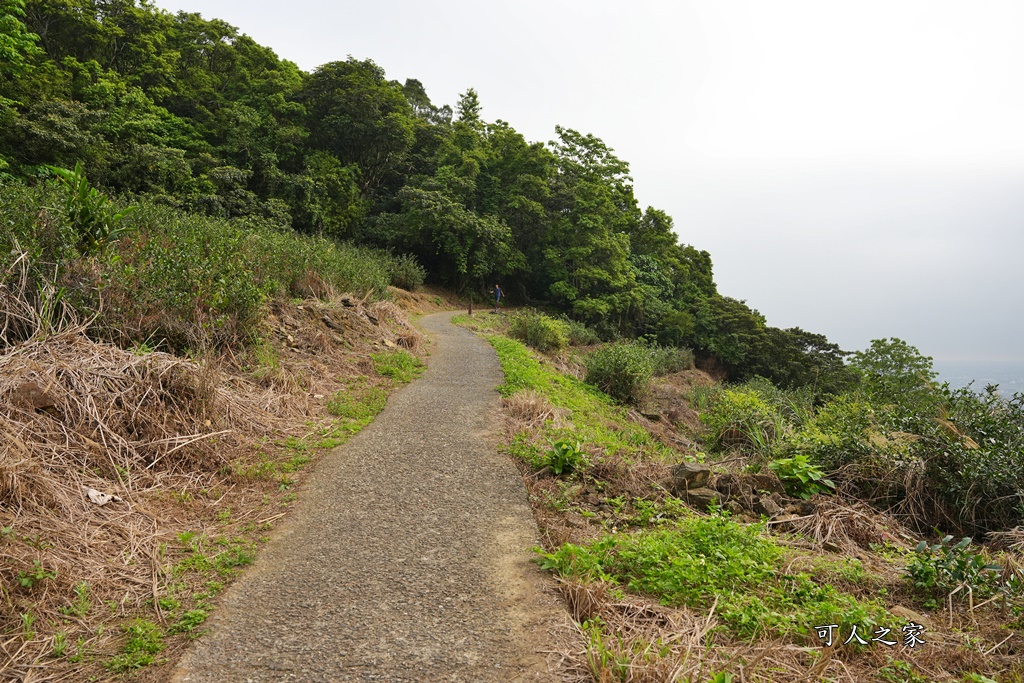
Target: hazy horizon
point(853, 170)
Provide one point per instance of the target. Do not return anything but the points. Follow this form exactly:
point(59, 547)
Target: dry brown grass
point(74, 415)
point(848, 525)
point(626, 638)
point(1012, 539)
point(186, 445)
point(529, 410)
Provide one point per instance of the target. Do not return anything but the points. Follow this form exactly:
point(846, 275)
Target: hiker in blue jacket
point(497, 297)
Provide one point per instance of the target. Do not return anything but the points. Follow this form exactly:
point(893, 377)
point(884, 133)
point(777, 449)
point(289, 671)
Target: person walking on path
point(497, 297)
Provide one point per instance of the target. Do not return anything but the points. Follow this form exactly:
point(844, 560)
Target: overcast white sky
point(854, 167)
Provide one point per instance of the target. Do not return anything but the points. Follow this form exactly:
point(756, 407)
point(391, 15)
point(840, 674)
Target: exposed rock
point(729, 485)
point(767, 506)
point(35, 396)
point(331, 323)
point(766, 481)
point(910, 615)
point(690, 475)
point(802, 508)
point(701, 498)
point(734, 508)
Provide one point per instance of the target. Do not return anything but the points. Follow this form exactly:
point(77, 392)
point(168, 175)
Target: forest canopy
point(191, 113)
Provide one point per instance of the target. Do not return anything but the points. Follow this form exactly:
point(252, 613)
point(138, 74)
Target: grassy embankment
point(662, 590)
point(192, 368)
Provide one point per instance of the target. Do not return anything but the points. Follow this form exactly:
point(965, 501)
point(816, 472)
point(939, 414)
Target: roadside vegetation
point(199, 245)
point(703, 531)
point(164, 379)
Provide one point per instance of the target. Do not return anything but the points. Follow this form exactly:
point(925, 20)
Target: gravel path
point(407, 558)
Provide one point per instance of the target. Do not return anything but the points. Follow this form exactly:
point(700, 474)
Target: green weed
point(29, 579)
point(801, 477)
point(144, 640)
point(899, 671)
point(168, 604)
point(82, 604)
point(59, 644)
point(189, 621)
point(565, 456)
point(359, 404)
point(28, 620)
point(700, 560)
point(946, 566)
point(398, 365)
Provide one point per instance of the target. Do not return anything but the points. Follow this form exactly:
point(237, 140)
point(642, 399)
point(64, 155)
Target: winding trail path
point(407, 557)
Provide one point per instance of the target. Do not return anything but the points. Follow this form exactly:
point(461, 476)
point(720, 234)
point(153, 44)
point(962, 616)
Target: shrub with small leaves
point(945, 566)
point(622, 370)
point(406, 272)
point(540, 331)
point(580, 334)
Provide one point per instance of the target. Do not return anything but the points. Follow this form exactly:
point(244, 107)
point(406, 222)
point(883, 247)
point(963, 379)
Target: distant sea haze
point(1009, 375)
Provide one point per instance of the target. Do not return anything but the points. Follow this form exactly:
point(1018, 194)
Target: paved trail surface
point(407, 558)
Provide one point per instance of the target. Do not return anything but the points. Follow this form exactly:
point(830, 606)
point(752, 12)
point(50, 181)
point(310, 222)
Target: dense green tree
point(360, 117)
point(191, 110)
point(593, 210)
point(17, 43)
point(894, 372)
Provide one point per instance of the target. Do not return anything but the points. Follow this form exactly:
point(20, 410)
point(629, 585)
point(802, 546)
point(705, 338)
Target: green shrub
point(842, 431)
point(406, 272)
point(945, 566)
point(93, 218)
point(667, 360)
point(580, 334)
point(542, 332)
point(623, 370)
point(184, 280)
point(979, 472)
point(740, 417)
point(795, 405)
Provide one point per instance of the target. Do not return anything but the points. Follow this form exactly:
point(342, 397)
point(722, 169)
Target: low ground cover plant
point(629, 556)
point(705, 560)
